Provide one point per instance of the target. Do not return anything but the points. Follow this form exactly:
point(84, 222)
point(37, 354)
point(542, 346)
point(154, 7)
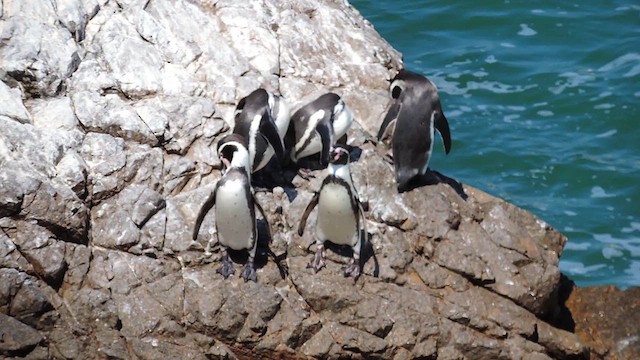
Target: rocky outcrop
point(110, 112)
point(604, 318)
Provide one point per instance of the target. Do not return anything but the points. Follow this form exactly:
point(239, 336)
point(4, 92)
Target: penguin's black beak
point(225, 163)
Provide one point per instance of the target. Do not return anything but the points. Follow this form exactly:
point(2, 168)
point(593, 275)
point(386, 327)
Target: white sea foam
point(607, 134)
point(610, 252)
point(570, 213)
point(578, 268)
point(604, 106)
point(632, 245)
point(634, 271)
point(575, 246)
point(622, 61)
point(598, 192)
point(634, 226)
point(545, 113)
point(497, 87)
point(571, 80)
point(510, 118)
point(491, 59)
point(603, 94)
point(525, 30)
point(507, 45)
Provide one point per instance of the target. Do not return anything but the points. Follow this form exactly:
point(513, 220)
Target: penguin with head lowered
point(340, 215)
point(234, 200)
point(318, 125)
point(413, 118)
point(263, 119)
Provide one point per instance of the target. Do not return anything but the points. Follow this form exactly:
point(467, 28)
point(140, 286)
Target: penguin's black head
point(397, 84)
point(339, 155)
point(228, 146)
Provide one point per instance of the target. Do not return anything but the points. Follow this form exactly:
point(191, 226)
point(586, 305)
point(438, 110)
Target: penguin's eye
point(395, 92)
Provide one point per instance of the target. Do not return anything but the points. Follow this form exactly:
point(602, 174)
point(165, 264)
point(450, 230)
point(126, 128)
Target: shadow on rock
point(367, 253)
point(433, 177)
point(563, 318)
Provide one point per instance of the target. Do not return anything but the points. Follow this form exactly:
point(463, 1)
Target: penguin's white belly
point(233, 217)
point(336, 219)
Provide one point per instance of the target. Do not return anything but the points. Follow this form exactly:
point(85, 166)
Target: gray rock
point(40, 67)
point(108, 132)
point(12, 106)
point(16, 337)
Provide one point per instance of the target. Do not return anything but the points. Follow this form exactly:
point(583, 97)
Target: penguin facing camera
point(235, 204)
point(340, 215)
point(412, 119)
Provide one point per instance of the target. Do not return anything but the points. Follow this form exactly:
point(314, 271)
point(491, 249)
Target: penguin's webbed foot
point(318, 261)
point(353, 269)
point(226, 269)
point(249, 271)
point(306, 173)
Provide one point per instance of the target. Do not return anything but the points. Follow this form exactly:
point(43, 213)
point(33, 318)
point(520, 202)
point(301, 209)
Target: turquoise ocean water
point(542, 98)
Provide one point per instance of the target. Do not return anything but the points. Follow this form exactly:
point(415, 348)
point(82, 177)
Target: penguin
point(412, 118)
point(340, 215)
point(318, 125)
point(234, 200)
point(263, 119)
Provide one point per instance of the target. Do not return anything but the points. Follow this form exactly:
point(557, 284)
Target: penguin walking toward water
point(339, 213)
point(234, 200)
point(412, 118)
point(263, 119)
point(318, 125)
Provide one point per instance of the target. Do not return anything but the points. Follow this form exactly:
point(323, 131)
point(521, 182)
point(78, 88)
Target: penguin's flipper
point(442, 125)
point(211, 200)
point(307, 211)
point(391, 117)
point(325, 130)
point(269, 130)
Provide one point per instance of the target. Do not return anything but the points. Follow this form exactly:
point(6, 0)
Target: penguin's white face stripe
point(271, 102)
point(240, 157)
point(311, 128)
point(431, 131)
point(342, 172)
point(396, 84)
point(282, 117)
point(343, 119)
point(338, 108)
point(253, 133)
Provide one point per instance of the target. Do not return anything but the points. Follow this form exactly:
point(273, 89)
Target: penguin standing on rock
point(318, 125)
point(412, 118)
point(234, 200)
point(263, 119)
point(339, 213)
